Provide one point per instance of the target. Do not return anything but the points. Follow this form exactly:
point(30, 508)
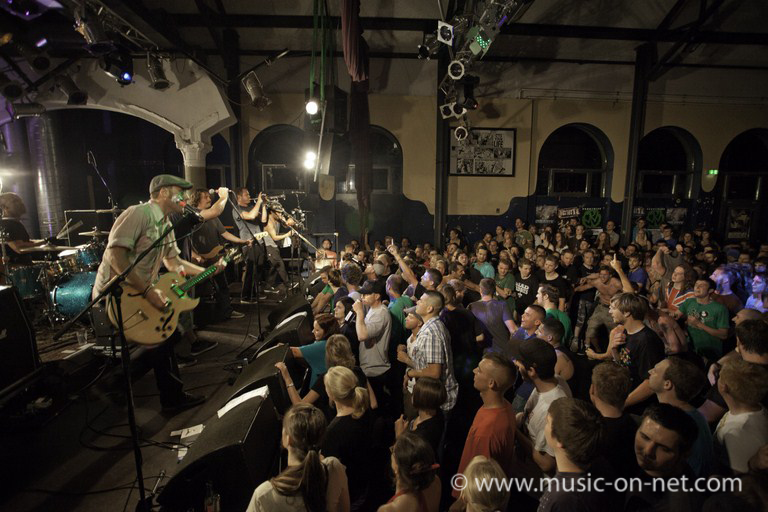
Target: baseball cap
point(167, 180)
point(539, 354)
point(412, 311)
point(373, 287)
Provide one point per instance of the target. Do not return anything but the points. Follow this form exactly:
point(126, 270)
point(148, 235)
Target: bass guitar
point(146, 325)
point(214, 253)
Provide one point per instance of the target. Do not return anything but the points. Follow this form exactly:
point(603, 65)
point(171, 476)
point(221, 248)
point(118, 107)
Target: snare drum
point(65, 265)
point(73, 293)
point(89, 256)
point(28, 280)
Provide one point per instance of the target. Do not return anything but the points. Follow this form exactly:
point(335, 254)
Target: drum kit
point(63, 280)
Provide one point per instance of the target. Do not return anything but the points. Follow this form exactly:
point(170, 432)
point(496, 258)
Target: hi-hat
point(47, 248)
point(95, 232)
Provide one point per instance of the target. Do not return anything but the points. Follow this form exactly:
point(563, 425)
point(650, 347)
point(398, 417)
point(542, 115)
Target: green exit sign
point(712, 172)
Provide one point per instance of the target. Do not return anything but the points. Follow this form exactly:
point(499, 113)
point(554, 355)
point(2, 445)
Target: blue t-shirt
point(486, 269)
point(639, 276)
point(314, 355)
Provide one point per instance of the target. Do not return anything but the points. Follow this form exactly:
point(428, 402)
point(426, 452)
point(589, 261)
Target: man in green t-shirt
point(548, 297)
point(396, 285)
point(505, 283)
point(707, 320)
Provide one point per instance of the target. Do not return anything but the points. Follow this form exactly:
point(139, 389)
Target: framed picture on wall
point(485, 152)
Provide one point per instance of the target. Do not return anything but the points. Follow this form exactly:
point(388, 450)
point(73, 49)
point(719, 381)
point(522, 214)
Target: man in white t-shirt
point(537, 364)
point(744, 428)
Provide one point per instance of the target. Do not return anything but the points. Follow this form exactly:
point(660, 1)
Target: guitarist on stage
point(134, 231)
point(207, 239)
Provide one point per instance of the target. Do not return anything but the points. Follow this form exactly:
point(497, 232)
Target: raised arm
point(406, 271)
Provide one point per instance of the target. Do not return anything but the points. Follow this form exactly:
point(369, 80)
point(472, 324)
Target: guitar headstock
point(233, 254)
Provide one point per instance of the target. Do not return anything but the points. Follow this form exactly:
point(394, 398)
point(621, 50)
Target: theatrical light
point(37, 59)
point(75, 95)
point(310, 160)
point(255, 90)
point(119, 65)
point(41, 42)
point(312, 107)
point(469, 102)
point(445, 33)
point(456, 69)
point(92, 30)
point(446, 110)
point(19, 110)
point(9, 89)
point(157, 78)
point(429, 46)
point(461, 133)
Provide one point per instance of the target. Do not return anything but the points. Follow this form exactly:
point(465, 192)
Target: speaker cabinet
point(296, 330)
point(289, 307)
point(235, 453)
point(18, 348)
point(262, 372)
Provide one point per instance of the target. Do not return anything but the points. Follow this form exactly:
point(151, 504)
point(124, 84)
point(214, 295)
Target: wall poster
point(485, 152)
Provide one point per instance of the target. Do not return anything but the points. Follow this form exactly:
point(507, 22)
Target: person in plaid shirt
point(429, 354)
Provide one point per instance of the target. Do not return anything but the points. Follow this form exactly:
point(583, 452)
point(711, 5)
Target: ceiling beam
point(154, 25)
point(514, 29)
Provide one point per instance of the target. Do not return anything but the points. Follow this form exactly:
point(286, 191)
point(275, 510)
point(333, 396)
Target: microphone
point(192, 214)
point(212, 191)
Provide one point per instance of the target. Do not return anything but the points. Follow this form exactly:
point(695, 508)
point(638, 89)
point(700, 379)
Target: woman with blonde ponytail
point(311, 482)
point(349, 433)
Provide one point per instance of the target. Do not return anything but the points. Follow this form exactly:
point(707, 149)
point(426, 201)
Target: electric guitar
point(146, 325)
point(213, 253)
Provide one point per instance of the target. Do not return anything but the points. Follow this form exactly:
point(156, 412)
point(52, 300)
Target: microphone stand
point(115, 289)
point(92, 161)
point(254, 275)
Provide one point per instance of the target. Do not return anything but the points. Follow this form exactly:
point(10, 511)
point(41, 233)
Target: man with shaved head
point(493, 431)
point(429, 355)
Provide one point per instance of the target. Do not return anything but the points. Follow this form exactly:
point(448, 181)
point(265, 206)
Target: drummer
point(12, 208)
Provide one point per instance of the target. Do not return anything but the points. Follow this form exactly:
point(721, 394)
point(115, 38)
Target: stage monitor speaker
point(313, 284)
point(18, 348)
point(235, 453)
point(262, 372)
point(296, 330)
point(290, 306)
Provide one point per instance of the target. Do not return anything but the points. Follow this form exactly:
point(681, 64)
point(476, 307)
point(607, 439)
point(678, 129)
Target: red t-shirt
point(492, 434)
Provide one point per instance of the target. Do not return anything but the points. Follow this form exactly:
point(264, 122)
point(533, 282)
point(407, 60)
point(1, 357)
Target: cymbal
point(47, 248)
point(115, 210)
point(95, 232)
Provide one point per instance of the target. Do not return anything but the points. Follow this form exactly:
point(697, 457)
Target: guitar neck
point(202, 276)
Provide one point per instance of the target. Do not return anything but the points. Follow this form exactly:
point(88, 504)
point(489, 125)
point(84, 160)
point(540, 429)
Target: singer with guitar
point(133, 232)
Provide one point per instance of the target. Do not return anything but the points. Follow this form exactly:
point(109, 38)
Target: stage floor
point(79, 459)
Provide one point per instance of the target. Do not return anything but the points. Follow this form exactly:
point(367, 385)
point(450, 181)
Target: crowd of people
point(530, 354)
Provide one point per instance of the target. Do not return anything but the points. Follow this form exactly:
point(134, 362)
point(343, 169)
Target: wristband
point(289, 385)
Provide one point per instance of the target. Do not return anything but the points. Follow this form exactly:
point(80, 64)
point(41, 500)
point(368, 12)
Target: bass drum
point(73, 293)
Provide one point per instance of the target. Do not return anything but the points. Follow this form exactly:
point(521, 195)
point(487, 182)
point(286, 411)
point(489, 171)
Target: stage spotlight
point(310, 160)
point(446, 110)
point(469, 102)
point(461, 133)
point(92, 30)
point(157, 78)
point(19, 110)
point(9, 89)
point(445, 33)
point(456, 69)
point(35, 57)
point(75, 95)
point(255, 90)
point(429, 46)
point(312, 106)
point(119, 65)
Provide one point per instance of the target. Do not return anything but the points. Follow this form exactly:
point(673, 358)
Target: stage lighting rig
point(10, 89)
point(157, 78)
point(91, 28)
point(119, 65)
point(255, 90)
point(75, 95)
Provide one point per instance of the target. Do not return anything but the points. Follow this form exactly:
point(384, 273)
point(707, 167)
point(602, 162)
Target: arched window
point(277, 153)
point(744, 166)
point(387, 160)
point(668, 160)
point(574, 161)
